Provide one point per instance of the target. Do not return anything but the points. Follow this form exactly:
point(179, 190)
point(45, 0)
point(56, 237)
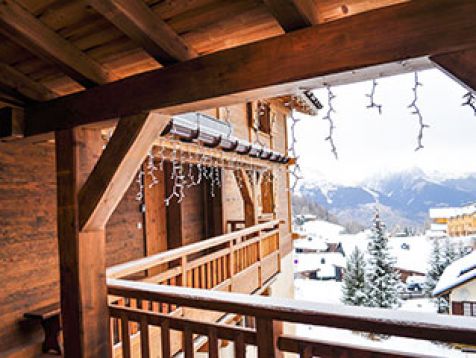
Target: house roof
point(458, 273)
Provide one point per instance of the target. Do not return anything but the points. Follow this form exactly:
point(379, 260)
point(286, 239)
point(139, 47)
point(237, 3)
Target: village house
point(145, 167)
point(458, 282)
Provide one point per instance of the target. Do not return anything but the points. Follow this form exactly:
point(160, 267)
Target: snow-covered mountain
point(404, 198)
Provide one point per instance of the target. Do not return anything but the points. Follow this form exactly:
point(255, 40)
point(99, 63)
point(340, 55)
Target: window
point(469, 309)
point(259, 116)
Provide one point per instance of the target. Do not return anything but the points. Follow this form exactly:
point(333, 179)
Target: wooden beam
point(117, 166)
point(146, 29)
point(17, 81)
point(461, 66)
point(84, 310)
point(248, 193)
point(359, 47)
point(23, 28)
point(288, 14)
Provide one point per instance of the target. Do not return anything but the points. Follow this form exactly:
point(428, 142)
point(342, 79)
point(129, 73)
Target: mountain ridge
point(403, 197)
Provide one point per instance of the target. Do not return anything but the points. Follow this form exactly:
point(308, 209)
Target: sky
point(369, 144)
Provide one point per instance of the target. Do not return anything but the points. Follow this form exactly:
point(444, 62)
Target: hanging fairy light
point(416, 111)
point(140, 182)
point(296, 171)
point(328, 117)
point(470, 101)
point(151, 169)
point(371, 97)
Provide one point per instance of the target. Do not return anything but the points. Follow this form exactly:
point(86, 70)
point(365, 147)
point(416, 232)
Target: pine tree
point(382, 280)
point(449, 253)
point(353, 289)
point(436, 267)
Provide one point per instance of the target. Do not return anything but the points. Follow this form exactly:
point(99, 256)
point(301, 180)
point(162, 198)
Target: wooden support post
point(82, 257)
point(248, 193)
point(85, 203)
point(155, 217)
point(265, 338)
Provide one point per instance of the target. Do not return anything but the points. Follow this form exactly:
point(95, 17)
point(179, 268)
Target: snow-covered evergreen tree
point(449, 253)
point(382, 280)
point(354, 287)
point(436, 267)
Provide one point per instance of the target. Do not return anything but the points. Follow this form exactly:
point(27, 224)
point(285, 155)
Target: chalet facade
point(459, 283)
point(144, 155)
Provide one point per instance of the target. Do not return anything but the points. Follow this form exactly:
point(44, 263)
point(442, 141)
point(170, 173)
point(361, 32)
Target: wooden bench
point(49, 317)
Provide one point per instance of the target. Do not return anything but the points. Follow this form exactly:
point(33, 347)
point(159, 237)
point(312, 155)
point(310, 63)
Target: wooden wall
point(28, 244)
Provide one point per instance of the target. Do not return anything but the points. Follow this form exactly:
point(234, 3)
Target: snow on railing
point(267, 310)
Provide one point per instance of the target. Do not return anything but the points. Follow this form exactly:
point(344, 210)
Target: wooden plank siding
point(28, 240)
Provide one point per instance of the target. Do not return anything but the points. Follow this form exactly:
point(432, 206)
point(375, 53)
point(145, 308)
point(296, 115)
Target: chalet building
point(458, 281)
point(144, 157)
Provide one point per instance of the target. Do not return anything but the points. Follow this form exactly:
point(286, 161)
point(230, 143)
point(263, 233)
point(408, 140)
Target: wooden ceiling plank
point(275, 66)
point(23, 28)
point(461, 66)
point(145, 28)
point(17, 81)
point(288, 14)
point(116, 168)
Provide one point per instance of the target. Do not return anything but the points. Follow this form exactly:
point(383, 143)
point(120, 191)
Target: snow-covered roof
point(446, 213)
point(456, 274)
point(313, 262)
point(310, 243)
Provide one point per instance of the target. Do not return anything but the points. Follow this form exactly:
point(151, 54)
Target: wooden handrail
point(330, 349)
point(380, 321)
point(131, 267)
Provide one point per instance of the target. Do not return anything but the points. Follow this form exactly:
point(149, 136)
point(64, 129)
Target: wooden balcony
point(242, 261)
point(267, 311)
point(186, 298)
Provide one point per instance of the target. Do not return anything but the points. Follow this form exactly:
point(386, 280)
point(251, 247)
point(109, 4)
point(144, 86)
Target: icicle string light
point(371, 97)
point(328, 117)
point(292, 151)
point(416, 111)
point(470, 101)
point(140, 182)
point(151, 169)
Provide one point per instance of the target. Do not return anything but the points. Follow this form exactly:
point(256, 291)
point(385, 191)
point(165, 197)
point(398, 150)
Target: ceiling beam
point(461, 66)
point(135, 19)
point(289, 14)
point(21, 27)
point(308, 58)
point(22, 84)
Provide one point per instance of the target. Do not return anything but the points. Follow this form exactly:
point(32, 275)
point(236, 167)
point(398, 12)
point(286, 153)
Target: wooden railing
point(241, 261)
point(266, 312)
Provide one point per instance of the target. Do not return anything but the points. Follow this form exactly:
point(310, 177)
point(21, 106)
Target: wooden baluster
point(224, 263)
point(144, 338)
point(188, 342)
point(214, 273)
point(231, 259)
point(165, 338)
point(203, 284)
point(183, 263)
point(220, 273)
point(209, 274)
point(196, 278)
point(126, 338)
point(306, 352)
point(212, 343)
point(265, 338)
point(240, 348)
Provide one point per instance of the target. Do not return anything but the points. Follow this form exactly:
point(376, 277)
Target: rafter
point(308, 58)
point(26, 30)
point(291, 15)
point(23, 85)
point(145, 28)
point(461, 66)
point(117, 166)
